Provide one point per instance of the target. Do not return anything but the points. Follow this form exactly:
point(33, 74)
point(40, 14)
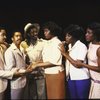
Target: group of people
point(35, 68)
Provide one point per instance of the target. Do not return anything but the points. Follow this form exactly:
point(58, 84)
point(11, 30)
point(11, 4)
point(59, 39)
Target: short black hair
point(75, 31)
point(14, 31)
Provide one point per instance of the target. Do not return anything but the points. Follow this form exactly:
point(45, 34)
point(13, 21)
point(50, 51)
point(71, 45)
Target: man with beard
point(33, 47)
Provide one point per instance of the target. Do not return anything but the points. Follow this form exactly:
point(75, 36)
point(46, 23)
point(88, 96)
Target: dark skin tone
point(90, 37)
point(69, 39)
point(17, 40)
point(66, 55)
point(94, 68)
point(79, 64)
point(48, 36)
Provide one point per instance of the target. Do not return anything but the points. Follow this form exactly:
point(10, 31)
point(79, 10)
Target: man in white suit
point(14, 58)
point(4, 75)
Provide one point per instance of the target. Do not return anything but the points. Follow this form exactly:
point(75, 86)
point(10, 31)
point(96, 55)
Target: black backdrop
point(16, 13)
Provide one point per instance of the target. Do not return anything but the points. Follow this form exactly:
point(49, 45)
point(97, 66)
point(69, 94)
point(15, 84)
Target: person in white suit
point(4, 75)
point(15, 58)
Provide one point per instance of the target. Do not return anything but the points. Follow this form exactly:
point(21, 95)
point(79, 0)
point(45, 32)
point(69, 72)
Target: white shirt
point(77, 52)
point(35, 52)
point(52, 54)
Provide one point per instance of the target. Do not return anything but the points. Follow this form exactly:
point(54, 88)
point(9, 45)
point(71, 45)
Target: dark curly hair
point(75, 31)
point(53, 27)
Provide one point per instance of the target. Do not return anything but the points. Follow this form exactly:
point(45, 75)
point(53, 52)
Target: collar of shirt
point(51, 40)
point(2, 49)
point(71, 47)
point(2, 53)
point(13, 46)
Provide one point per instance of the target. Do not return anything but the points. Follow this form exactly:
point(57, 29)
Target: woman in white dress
point(93, 36)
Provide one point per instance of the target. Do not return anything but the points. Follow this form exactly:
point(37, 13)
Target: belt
point(95, 81)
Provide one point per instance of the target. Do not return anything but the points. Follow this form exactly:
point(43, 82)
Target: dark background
point(16, 14)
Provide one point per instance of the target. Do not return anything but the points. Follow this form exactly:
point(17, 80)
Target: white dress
point(95, 76)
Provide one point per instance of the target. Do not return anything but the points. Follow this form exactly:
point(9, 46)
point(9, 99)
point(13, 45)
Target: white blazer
point(14, 58)
point(4, 75)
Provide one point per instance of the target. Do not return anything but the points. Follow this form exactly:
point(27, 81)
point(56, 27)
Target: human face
point(2, 36)
point(17, 38)
point(34, 32)
point(68, 38)
point(89, 35)
point(47, 34)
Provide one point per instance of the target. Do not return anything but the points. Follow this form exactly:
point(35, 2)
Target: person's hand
point(63, 42)
point(29, 69)
point(62, 49)
point(18, 74)
point(31, 66)
point(79, 64)
point(34, 65)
